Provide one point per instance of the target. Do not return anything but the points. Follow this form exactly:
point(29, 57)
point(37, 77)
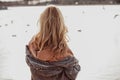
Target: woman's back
point(47, 54)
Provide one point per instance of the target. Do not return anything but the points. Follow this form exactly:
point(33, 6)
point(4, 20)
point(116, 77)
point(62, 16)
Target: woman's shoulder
point(32, 46)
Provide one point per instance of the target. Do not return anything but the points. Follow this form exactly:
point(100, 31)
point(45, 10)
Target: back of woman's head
point(52, 32)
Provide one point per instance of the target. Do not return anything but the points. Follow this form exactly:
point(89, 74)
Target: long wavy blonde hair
point(52, 32)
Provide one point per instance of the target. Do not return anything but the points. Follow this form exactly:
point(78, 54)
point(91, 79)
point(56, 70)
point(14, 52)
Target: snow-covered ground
point(97, 46)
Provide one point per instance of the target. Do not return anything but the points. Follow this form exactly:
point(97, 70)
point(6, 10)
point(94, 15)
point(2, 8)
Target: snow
point(97, 46)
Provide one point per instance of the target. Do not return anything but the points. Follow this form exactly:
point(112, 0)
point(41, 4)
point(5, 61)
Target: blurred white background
point(97, 46)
